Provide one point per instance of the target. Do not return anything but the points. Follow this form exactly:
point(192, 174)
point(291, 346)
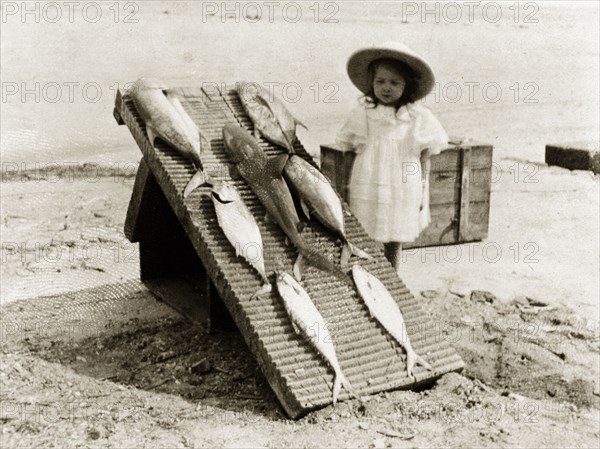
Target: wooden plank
point(574, 156)
point(463, 221)
point(132, 221)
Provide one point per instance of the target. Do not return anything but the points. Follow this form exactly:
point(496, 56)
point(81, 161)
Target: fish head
point(248, 91)
point(358, 271)
point(240, 145)
point(224, 192)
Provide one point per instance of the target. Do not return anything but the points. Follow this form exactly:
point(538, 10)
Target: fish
point(165, 118)
point(318, 197)
point(264, 176)
point(240, 228)
point(384, 309)
point(269, 115)
point(305, 318)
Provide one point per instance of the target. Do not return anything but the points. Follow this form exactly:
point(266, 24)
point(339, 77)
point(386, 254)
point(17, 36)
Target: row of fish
point(270, 178)
point(165, 117)
point(305, 317)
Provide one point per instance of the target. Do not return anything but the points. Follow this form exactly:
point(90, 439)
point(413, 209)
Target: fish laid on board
point(240, 228)
point(318, 197)
point(384, 309)
point(269, 115)
point(264, 176)
point(305, 318)
point(165, 118)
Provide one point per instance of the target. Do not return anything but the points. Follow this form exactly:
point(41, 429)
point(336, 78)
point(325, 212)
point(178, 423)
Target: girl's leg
point(393, 253)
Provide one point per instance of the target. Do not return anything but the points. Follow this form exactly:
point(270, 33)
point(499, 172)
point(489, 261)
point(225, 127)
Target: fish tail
point(265, 288)
point(298, 122)
point(337, 386)
point(199, 179)
point(349, 250)
point(412, 359)
point(341, 381)
point(318, 260)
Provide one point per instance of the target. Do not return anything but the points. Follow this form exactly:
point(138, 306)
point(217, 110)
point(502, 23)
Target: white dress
point(386, 190)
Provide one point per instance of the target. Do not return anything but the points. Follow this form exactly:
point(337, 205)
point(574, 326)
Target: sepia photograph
point(263, 224)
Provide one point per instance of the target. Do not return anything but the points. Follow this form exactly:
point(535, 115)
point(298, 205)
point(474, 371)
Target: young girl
point(393, 135)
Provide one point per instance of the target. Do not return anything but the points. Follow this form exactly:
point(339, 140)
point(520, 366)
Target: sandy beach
point(83, 368)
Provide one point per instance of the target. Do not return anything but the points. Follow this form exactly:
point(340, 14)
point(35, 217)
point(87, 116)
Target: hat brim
point(358, 69)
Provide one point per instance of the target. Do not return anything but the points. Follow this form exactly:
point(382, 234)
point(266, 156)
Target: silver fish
point(165, 117)
point(268, 114)
point(264, 176)
point(305, 317)
point(240, 228)
point(318, 197)
point(384, 309)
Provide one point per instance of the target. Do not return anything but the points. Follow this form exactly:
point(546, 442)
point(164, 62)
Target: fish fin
point(197, 180)
point(276, 164)
point(298, 267)
point(265, 288)
point(296, 328)
point(346, 253)
point(300, 226)
point(151, 134)
point(234, 172)
point(356, 251)
point(305, 209)
point(256, 133)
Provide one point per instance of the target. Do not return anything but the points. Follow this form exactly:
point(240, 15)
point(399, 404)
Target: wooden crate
point(460, 182)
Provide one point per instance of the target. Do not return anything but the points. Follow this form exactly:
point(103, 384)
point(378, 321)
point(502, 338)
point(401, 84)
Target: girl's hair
point(371, 101)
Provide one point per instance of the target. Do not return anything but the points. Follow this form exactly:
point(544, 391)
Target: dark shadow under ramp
point(302, 381)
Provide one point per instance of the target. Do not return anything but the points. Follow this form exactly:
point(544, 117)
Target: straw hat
point(358, 67)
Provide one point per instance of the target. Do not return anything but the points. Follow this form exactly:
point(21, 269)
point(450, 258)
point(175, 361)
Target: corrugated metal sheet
point(302, 381)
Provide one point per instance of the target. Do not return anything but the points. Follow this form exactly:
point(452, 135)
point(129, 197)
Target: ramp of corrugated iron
point(299, 377)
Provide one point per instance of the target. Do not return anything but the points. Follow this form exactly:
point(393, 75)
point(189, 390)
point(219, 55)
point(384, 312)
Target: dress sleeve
point(427, 131)
point(353, 134)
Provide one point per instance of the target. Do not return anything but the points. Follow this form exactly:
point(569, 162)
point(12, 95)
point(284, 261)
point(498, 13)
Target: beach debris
point(305, 318)
point(165, 118)
point(264, 176)
point(429, 294)
point(201, 367)
point(483, 296)
point(268, 114)
point(240, 228)
point(317, 197)
point(394, 434)
point(384, 309)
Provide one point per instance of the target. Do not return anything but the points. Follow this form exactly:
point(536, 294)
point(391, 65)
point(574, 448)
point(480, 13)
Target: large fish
point(240, 228)
point(318, 197)
point(165, 117)
point(269, 115)
point(305, 318)
point(264, 177)
point(384, 309)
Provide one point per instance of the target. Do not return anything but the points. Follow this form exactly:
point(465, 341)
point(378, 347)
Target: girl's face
point(388, 84)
